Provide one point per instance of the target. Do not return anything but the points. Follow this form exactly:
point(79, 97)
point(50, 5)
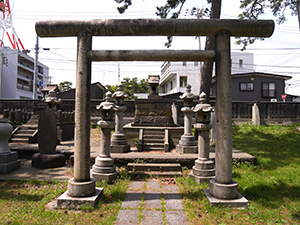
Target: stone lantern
point(204, 168)
point(8, 160)
point(118, 142)
point(187, 143)
point(52, 101)
point(104, 168)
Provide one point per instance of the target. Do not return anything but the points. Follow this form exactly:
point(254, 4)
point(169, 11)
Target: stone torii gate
point(223, 188)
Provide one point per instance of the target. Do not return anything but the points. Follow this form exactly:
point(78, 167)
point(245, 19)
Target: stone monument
point(104, 168)
point(8, 160)
point(118, 142)
point(47, 137)
point(187, 143)
point(154, 111)
point(204, 168)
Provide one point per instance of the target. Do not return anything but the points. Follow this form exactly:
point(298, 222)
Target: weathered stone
point(47, 134)
point(44, 161)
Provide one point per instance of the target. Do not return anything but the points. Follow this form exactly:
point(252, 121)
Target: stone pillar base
point(9, 162)
point(119, 148)
point(109, 177)
point(203, 171)
point(45, 161)
point(223, 191)
point(104, 169)
point(67, 202)
point(81, 189)
point(186, 149)
point(239, 203)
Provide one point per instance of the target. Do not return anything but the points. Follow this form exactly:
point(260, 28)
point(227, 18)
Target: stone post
point(204, 169)
point(104, 168)
point(223, 187)
point(255, 115)
point(187, 142)
point(8, 160)
point(81, 184)
point(118, 142)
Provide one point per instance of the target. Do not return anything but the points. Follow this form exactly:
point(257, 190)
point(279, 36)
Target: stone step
point(24, 136)
point(153, 145)
point(27, 131)
point(154, 136)
point(159, 141)
point(154, 167)
point(147, 148)
point(19, 140)
point(157, 173)
point(160, 132)
point(28, 126)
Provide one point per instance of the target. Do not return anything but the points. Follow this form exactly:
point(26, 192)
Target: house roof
point(260, 74)
point(98, 84)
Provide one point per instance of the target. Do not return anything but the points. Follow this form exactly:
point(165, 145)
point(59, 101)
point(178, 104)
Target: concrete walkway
point(152, 202)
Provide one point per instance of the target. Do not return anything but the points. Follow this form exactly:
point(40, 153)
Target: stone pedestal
point(118, 142)
point(8, 159)
point(187, 143)
point(47, 140)
point(204, 169)
point(104, 168)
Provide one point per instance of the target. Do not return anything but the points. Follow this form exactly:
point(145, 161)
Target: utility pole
point(118, 73)
point(34, 89)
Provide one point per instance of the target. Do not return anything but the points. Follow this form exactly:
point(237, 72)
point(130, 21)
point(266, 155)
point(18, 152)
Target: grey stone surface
point(152, 201)
point(47, 134)
point(44, 161)
point(128, 216)
point(66, 201)
point(81, 189)
point(239, 203)
point(136, 186)
point(176, 218)
point(173, 201)
point(170, 189)
point(223, 191)
point(153, 185)
point(9, 166)
point(132, 200)
point(151, 217)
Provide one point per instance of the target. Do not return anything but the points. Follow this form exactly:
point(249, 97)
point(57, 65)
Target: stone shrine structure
point(8, 159)
point(222, 190)
point(154, 111)
point(118, 142)
point(104, 168)
point(47, 137)
point(204, 169)
point(187, 142)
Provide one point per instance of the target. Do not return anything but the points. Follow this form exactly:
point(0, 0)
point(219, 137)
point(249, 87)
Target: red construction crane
point(7, 26)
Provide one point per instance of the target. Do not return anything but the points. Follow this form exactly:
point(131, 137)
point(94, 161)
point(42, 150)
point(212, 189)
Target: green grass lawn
point(272, 188)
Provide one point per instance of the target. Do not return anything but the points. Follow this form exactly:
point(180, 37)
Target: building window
point(195, 63)
point(241, 63)
point(268, 90)
point(183, 81)
point(184, 63)
point(246, 86)
point(171, 85)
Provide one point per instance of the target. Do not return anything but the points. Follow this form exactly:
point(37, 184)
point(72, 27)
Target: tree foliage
point(252, 9)
point(131, 87)
point(65, 86)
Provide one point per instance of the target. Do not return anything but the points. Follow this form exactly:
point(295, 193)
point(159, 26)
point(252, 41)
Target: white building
point(17, 73)
point(176, 75)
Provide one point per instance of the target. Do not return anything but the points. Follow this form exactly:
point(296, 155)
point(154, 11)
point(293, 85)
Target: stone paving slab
point(176, 218)
point(132, 200)
point(128, 216)
point(152, 217)
point(152, 200)
point(152, 211)
point(173, 201)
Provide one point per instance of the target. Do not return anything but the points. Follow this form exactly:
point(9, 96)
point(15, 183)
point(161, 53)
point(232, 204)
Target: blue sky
point(279, 54)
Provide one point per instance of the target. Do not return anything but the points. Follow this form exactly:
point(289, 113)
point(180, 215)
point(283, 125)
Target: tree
point(254, 8)
point(131, 87)
point(171, 7)
point(65, 86)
